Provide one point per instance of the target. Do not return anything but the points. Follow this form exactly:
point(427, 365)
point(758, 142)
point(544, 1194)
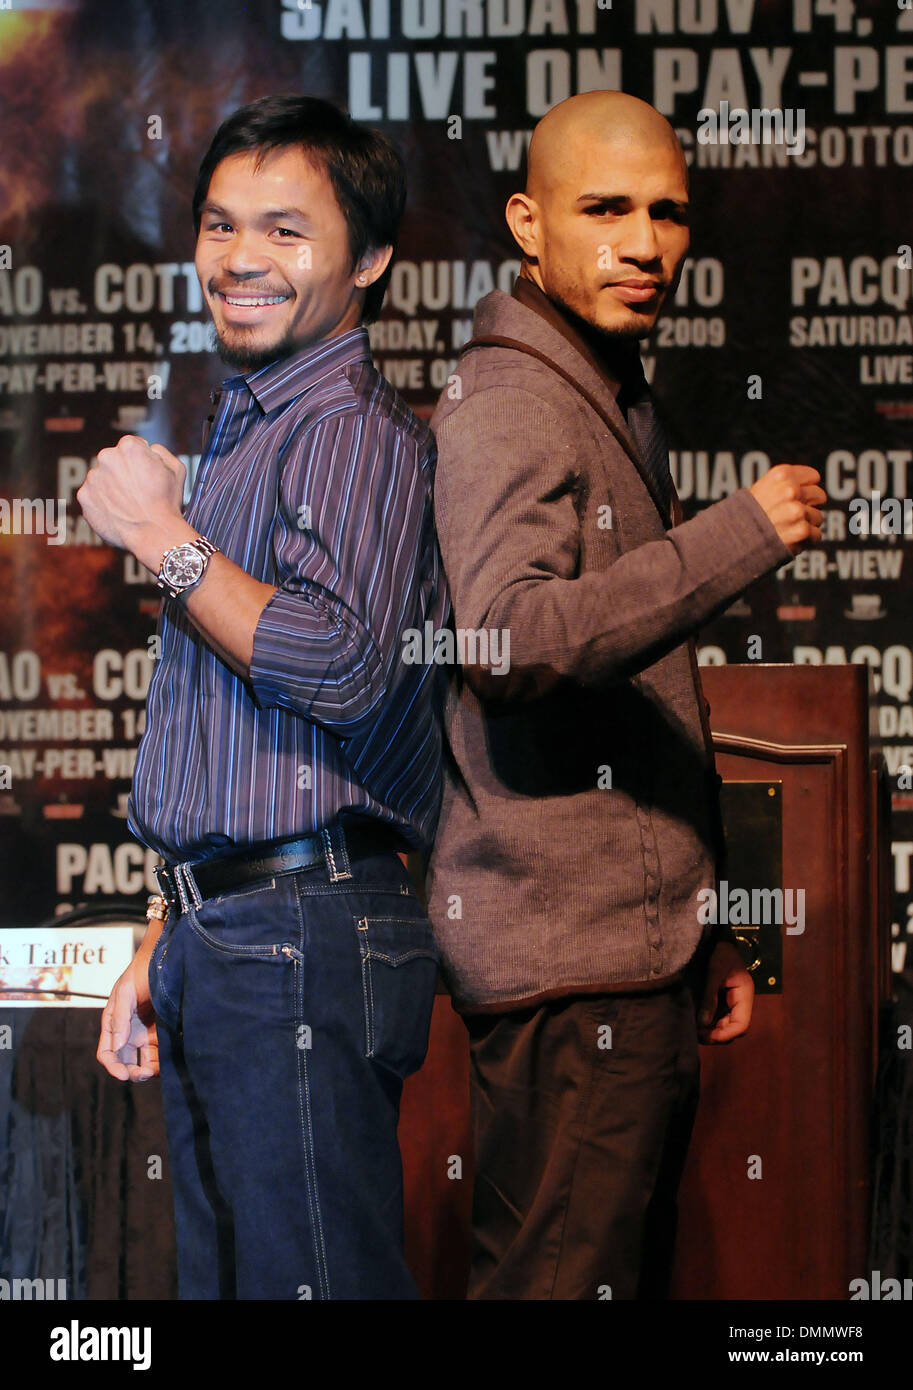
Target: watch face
point(183, 566)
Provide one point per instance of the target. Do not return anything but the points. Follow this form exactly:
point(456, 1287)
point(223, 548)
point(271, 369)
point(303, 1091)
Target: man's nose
point(640, 240)
point(244, 256)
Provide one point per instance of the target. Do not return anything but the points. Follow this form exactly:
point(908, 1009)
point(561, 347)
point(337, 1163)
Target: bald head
point(603, 120)
point(603, 220)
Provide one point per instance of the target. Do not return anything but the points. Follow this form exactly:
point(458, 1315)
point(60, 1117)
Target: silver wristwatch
point(183, 566)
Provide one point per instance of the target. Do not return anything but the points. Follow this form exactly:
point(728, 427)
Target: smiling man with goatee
point(284, 988)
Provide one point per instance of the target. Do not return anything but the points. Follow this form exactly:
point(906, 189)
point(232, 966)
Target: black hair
point(364, 167)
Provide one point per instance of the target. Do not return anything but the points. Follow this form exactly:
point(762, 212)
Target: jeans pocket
point(165, 979)
point(399, 964)
point(247, 924)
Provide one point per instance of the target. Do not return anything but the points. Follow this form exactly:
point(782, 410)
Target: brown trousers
point(580, 1139)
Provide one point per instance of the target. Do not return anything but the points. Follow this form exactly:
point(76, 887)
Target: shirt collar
point(282, 380)
point(617, 362)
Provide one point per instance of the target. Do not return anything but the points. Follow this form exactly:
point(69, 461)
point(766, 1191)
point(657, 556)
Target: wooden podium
point(775, 1198)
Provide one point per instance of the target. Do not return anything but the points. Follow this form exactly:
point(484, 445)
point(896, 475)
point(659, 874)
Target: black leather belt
point(224, 872)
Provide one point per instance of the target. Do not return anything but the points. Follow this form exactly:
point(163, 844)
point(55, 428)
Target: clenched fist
point(791, 497)
point(132, 486)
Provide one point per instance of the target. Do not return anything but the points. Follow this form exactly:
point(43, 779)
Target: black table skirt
point(79, 1151)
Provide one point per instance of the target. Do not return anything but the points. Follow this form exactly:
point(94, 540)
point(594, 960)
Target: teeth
point(243, 301)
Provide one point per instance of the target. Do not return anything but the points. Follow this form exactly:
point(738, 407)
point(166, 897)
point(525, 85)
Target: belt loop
point(179, 885)
point(192, 888)
point(335, 852)
point(164, 880)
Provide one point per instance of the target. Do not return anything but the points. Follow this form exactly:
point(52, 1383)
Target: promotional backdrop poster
point(790, 337)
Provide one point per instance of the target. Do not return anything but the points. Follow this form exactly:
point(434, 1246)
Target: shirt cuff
point(307, 658)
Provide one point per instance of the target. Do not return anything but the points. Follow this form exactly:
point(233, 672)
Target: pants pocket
point(166, 978)
point(247, 923)
point(399, 964)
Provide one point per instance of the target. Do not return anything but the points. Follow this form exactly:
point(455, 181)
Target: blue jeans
point(289, 1012)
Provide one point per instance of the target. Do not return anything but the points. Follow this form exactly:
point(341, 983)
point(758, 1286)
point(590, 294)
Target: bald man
point(581, 815)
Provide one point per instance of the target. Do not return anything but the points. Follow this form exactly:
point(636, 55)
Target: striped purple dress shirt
point(317, 478)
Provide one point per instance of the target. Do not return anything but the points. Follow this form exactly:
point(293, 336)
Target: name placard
point(64, 967)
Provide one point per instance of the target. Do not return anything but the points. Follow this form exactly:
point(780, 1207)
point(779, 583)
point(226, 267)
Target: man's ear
point(522, 213)
point(372, 265)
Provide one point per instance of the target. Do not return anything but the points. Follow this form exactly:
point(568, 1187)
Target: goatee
point(249, 359)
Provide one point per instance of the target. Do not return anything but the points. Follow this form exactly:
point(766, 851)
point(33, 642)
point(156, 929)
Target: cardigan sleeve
point(507, 509)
